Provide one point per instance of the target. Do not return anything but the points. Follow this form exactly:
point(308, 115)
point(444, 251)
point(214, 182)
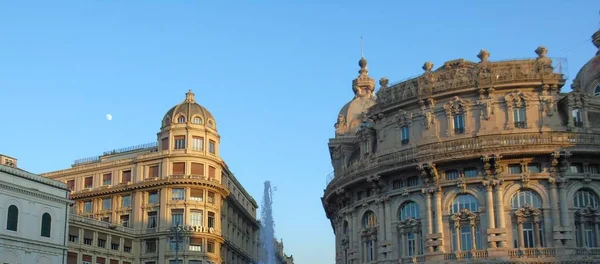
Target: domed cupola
point(588, 78)
point(351, 116)
point(189, 112)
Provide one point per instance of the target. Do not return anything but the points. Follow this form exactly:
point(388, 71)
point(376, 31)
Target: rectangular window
point(153, 171)
point(197, 169)
point(534, 168)
point(211, 197)
point(451, 175)
point(126, 201)
point(179, 142)
point(152, 220)
point(210, 246)
point(101, 243)
point(519, 117)
point(405, 135)
point(165, 143)
point(459, 124)
point(178, 194)
point(105, 219)
point(89, 182)
point(470, 172)
point(515, 169)
point(126, 176)
point(71, 185)
point(106, 179)
point(397, 184)
point(212, 171)
point(211, 147)
point(177, 217)
point(412, 181)
point(153, 197)
point(197, 195)
point(198, 143)
point(178, 168)
point(195, 245)
point(150, 246)
point(211, 219)
point(594, 168)
point(576, 168)
point(124, 220)
point(107, 204)
point(87, 207)
point(196, 217)
point(577, 117)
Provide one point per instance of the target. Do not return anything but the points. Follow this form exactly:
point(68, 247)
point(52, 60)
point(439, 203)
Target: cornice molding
point(33, 177)
point(30, 192)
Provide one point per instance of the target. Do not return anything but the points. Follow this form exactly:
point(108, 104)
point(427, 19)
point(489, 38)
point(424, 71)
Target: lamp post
point(176, 235)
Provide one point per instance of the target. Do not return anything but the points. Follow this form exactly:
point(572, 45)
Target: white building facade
point(33, 217)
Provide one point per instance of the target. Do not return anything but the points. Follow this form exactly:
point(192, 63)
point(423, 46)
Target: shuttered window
point(165, 143)
point(87, 258)
point(211, 172)
point(178, 168)
point(197, 169)
point(126, 176)
point(106, 178)
point(179, 142)
point(89, 182)
point(197, 194)
point(153, 171)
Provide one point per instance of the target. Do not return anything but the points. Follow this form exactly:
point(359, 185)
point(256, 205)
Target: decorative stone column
point(428, 219)
point(490, 210)
point(439, 226)
point(564, 210)
point(500, 214)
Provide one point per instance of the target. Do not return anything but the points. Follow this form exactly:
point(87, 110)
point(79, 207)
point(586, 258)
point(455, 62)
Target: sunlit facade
point(473, 161)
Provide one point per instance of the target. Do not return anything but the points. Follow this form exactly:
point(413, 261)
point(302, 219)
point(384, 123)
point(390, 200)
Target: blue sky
point(273, 73)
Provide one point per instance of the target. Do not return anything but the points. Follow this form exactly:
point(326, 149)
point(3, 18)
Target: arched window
point(197, 121)
point(597, 90)
point(528, 227)
point(211, 124)
point(181, 119)
point(465, 230)
point(409, 230)
point(46, 224)
point(12, 221)
point(369, 219)
point(586, 225)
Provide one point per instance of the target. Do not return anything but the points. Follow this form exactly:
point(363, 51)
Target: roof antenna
point(362, 47)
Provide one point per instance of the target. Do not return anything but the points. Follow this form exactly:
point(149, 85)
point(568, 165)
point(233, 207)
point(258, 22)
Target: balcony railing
point(92, 221)
point(455, 147)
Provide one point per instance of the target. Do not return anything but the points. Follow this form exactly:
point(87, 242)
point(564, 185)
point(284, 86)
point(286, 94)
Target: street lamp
point(176, 235)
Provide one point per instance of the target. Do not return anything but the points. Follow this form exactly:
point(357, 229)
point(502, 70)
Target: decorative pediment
point(465, 215)
point(403, 118)
point(528, 211)
point(457, 105)
point(516, 98)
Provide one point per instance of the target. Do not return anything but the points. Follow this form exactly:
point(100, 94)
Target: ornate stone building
point(33, 216)
point(473, 161)
point(126, 200)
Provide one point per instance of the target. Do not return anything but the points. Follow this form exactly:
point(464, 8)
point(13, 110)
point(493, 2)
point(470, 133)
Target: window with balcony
point(88, 182)
point(369, 222)
point(179, 142)
point(211, 197)
point(410, 228)
point(153, 171)
point(106, 204)
point(126, 176)
point(528, 227)
point(178, 168)
point(586, 225)
point(71, 185)
point(451, 175)
point(106, 179)
point(196, 217)
point(211, 147)
point(197, 169)
point(465, 223)
point(198, 143)
point(126, 201)
point(152, 220)
point(178, 194)
point(153, 197)
point(124, 220)
point(519, 117)
point(459, 123)
point(177, 217)
point(405, 133)
point(211, 220)
point(87, 207)
point(577, 117)
point(197, 195)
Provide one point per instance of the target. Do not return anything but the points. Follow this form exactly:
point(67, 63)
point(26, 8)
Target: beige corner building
point(126, 200)
point(482, 161)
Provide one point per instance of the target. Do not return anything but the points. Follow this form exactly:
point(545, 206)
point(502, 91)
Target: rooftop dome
point(189, 112)
point(588, 78)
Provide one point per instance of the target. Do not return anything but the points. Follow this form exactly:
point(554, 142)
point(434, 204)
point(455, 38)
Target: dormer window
point(197, 121)
point(211, 124)
point(181, 119)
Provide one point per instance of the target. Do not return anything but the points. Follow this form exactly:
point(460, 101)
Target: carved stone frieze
point(403, 118)
point(456, 105)
point(464, 216)
point(409, 225)
point(528, 212)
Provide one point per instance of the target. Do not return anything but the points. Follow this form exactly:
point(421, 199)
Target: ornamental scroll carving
point(370, 232)
point(409, 225)
point(465, 216)
point(589, 214)
point(457, 106)
point(528, 212)
point(403, 118)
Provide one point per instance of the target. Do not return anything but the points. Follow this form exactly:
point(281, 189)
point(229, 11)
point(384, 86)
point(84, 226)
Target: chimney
point(8, 161)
